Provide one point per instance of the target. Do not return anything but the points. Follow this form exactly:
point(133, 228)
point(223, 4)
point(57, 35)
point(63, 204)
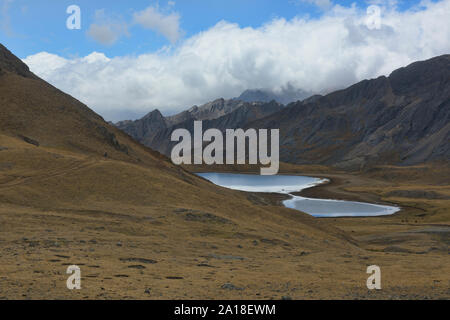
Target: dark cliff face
point(425, 78)
point(238, 118)
point(155, 131)
point(143, 130)
point(284, 96)
point(400, 119)
point(10, 63)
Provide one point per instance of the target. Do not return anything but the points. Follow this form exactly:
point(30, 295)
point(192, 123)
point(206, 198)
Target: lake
point(288, 184)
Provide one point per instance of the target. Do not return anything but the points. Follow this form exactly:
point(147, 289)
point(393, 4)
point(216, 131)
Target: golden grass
point(140, 227)
point(59, 208)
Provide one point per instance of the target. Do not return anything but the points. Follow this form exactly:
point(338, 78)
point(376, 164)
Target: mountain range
point(402, 119)
point(154, 130)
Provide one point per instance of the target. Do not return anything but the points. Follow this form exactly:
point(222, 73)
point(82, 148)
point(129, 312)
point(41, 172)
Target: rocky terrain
point(284, 96)
point(403, 119)
point(145, 129)
point(154, 130)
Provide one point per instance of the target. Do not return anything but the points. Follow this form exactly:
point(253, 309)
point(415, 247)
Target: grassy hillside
point(75, 190)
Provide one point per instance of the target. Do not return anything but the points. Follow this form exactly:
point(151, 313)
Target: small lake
point(288, 184)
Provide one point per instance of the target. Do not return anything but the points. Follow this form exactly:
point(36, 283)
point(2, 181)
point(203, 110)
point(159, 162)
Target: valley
point(76, 190)
point(134, 245)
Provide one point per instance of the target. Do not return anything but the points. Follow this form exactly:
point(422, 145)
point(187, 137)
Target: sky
point(127, 58)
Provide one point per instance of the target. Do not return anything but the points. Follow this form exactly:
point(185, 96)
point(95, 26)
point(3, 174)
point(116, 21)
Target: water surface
point(288, 184)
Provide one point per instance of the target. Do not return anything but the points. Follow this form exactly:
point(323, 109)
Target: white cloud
point(384, 3)
point(106, 30)
point(166, 24)
point(46, 65)
point(103, 34)
point(319, 55)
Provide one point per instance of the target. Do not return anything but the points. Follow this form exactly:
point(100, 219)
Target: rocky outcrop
point(10, 63)
point(238, 118)
point(208, 111)
point(155, 131)
point(143, 130)
point(284, 96)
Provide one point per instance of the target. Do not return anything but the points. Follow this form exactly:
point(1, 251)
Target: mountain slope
point(284, 96)
point(236, 119)
point(76, 190)
point(35, 111)
point(145, 129)
point(211, 110)
point(401, 119)
point(155, 131)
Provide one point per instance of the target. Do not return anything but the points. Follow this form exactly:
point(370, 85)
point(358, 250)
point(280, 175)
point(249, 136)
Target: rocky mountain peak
point(285, 96)
point(10, 63)
point(155, 114)
point(421, 76)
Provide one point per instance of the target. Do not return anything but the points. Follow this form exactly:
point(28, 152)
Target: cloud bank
point(167, 25)
point(105, 30)
point(317, 55)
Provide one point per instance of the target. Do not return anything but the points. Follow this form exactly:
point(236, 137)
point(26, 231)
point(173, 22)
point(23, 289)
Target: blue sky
point(131, 57)
point(34, 26)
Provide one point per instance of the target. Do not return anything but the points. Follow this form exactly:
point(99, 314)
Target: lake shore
point(138, 242)
point(422, 193)
point(365, 187)
point(335, 188)
point(290, 184)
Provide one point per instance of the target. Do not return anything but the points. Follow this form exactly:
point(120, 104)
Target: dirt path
point(18, 180)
